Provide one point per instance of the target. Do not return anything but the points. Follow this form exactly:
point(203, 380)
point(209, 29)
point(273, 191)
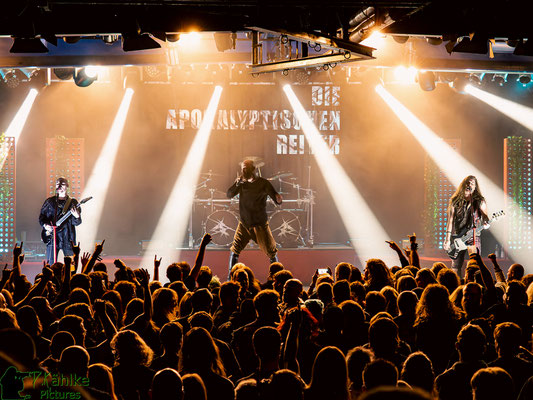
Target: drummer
point(253, 224)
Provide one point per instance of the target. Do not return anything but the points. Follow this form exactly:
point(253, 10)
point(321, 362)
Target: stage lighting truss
point(294, 49)
point(7, 195)
point(517, 186)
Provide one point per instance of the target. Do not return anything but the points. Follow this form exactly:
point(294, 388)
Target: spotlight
point(405, 75)
point(499, 79)
point(524, 79)
point(92, 71)
point(476, 79)
point(71, 39)
point(225, 41)
point(172, 37)
point(10, 78)
point(459, 83)
point(110, 39)
point(138, 42)
point(426, 80)
point(64, 74)
point(28, 45)
point(82, 77)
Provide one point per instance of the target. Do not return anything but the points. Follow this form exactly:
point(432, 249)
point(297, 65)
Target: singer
point(253, 224)
point(466, 208)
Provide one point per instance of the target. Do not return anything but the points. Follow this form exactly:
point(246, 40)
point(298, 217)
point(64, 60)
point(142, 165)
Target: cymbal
point(258, 161)
point(209, 174)
point(280, 175)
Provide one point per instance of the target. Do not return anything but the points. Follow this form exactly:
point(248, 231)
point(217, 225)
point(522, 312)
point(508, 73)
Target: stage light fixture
point(365, 232)
point(524, 79)
point(64, 74)
point(426, 80)
point(225, 41)
point(138, 42)
point(110, 39)
point(499, 79)
point(476, 79)
point(98, 183)
point(454, 166)
point(28, 45)
point(172, 226)
point(9, 76)
point(404, 75)
point(84, 77)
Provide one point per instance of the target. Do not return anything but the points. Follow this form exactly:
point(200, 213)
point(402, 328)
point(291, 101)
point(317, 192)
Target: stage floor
point(302, 262)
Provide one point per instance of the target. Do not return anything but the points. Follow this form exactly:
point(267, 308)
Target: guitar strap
point(67, 205)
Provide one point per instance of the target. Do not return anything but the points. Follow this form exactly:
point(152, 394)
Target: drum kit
point(291, 222)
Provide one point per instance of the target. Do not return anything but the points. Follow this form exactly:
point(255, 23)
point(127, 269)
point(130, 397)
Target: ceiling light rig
point(330, 50)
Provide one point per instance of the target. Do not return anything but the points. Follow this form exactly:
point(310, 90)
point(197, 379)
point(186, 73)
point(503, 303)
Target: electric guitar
point(458, 244)
point(47, 234)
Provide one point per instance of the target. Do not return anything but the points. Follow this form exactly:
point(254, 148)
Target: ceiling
point(507, 21)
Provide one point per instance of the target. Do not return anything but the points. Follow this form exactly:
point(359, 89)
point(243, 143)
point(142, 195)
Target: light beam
point(172, 226)
point(518, 112)
point(456, 168)
point(367, 234)
point(98, 182)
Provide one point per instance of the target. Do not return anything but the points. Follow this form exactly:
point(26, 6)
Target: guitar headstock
point(498, 215)
point(85, 200)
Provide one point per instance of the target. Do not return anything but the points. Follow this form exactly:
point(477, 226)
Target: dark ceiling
point(506, 18)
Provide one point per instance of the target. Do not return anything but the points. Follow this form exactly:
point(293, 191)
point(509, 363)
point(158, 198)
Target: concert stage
point(302, 262)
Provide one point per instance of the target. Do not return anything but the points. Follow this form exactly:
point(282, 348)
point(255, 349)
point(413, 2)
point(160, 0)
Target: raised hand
point(47, 273)
point(85, 258)
point(144, 277)
point(393, 245)
point(6, 273)
point(206, 239)
point(75, 248)
point(99, 247)
point(157, 262)
point(492, 257)
point(17, 250)
point(119, 263)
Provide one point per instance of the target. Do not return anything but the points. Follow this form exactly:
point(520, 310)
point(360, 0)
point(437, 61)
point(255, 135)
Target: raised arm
point(500, 277)
point(234, 189)
point(76, 250)
point(394, 246)
point(199, 260)
point(65, 286)
point(485, 273)
point(413, 254)
point(157, 264)
point(100, 311)
point(37, 289)
point(95, 256)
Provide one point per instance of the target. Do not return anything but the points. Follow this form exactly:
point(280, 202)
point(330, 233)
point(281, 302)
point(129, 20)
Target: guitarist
point(466, 208)
point(52, 210)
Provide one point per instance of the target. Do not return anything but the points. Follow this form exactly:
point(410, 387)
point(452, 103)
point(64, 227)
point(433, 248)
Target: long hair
point(435, 305)
point(329, 377)
point(458, 198)
point(200, 353)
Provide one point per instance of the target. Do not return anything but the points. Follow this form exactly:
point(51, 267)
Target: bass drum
point(285, 227)
point(221, 225)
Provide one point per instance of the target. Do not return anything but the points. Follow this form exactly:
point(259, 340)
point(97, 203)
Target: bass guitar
point(458, 243)
point(47, 234)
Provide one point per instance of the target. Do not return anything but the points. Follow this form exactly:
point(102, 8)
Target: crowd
point(375, 332)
